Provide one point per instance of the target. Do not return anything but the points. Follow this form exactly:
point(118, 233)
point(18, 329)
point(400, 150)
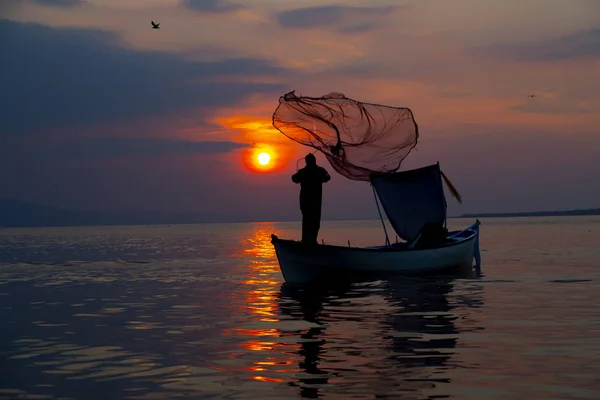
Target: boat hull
point(301, 263)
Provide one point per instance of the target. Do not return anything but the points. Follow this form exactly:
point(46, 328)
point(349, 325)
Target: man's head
point(310, 159)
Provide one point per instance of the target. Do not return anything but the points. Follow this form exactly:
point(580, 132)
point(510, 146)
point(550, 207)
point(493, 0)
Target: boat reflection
point(386, 338)
point(392, 337)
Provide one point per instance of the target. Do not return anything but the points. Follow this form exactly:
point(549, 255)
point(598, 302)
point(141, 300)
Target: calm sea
point(201, 312)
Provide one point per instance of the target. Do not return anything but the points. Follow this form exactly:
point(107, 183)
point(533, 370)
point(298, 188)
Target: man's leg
point(312, 223)
point(316, 224)
point(305, 226)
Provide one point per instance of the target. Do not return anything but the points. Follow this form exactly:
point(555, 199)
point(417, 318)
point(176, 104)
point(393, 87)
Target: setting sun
point(264, 158)
point(269, 151)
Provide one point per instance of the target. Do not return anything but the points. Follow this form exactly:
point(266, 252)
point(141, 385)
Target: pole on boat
point(477, 250)
point(387, 239)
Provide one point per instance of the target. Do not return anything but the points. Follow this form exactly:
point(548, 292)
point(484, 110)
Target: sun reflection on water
point(261, 298)
point(272, 355)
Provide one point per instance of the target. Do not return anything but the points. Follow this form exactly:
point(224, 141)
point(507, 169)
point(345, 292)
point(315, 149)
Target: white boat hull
point(302, 263)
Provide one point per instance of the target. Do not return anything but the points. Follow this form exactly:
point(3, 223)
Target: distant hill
point(591, 211)
point(19, 213)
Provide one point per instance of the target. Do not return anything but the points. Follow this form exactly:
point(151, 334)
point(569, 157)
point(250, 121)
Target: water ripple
point(221, 324)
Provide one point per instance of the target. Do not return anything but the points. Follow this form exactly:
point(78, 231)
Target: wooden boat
point(305, 263)
point(412, 200)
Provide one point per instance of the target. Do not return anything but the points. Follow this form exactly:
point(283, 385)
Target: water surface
point(201, 311)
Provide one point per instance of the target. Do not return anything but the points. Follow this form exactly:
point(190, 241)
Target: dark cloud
point(112, 147)
point(58, 3)
point(53, 78)
point(212, 6)
point(342, 18)
point(578, 45)
point(131, 147)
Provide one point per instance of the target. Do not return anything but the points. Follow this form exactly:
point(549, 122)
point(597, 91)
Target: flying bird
point(532, 95)
point(155, 26)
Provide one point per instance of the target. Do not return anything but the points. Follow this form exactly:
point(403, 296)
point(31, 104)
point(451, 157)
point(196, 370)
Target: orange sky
point(464, 67)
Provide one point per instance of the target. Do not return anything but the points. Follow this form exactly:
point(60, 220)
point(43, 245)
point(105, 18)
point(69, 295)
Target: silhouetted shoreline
point(591, 211)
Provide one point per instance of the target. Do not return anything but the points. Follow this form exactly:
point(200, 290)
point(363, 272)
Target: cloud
point(134, 147)
point(343, 18)
point(112, 147)
point(577, 45)
point(58, 3)
point(212, 6)
point(76, 77)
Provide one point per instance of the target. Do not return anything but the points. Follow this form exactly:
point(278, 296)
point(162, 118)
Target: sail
point(411, 199)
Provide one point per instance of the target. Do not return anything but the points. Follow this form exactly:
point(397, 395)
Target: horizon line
point(299, 221)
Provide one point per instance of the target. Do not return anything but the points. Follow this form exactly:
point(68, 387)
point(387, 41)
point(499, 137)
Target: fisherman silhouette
point(311, 179)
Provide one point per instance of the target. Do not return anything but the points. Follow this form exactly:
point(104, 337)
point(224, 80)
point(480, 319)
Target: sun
point(264, 158)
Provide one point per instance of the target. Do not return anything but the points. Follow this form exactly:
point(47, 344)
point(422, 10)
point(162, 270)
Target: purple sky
point(123, 117)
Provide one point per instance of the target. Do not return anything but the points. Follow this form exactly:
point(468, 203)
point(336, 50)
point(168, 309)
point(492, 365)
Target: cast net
point(359, 139)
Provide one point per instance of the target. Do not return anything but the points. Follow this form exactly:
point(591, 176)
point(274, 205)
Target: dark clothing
point(311, 179)
point(431, 236)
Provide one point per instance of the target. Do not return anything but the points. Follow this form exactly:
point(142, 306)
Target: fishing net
point(359, 139)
